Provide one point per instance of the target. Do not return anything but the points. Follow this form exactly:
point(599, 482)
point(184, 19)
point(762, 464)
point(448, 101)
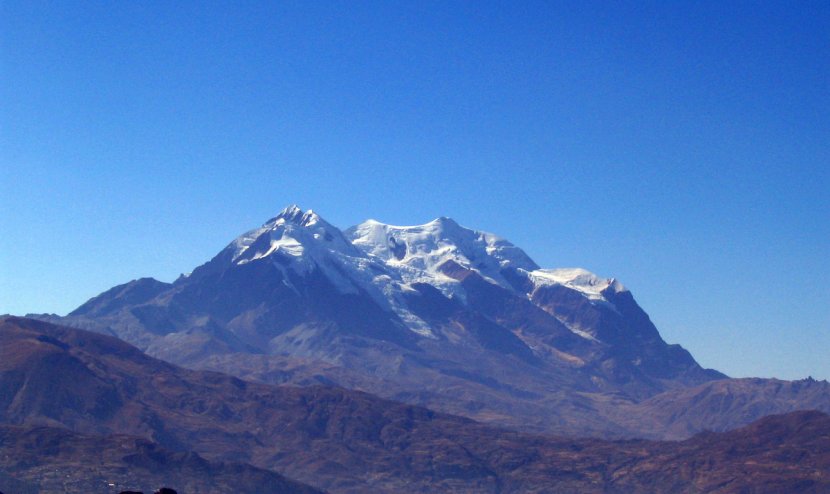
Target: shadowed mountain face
point(436, 315)
point(335, 439)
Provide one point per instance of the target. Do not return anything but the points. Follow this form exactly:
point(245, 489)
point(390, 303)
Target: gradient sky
point(681, 147)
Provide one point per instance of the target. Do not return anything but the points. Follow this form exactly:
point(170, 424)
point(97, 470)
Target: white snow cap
point(291, 232)
point(385, 261)
point(419, 251)
point(578, 279)
point(293, 214)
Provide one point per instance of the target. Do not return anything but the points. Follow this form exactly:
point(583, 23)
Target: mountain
point(438, 315)
point(724, 405)
point(777, 454)
point(94, 408)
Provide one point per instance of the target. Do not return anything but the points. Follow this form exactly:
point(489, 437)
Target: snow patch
point(577, 279)
point(417, 252)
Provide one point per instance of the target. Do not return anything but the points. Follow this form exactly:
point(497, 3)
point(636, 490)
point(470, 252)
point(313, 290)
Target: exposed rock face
point(339, 440)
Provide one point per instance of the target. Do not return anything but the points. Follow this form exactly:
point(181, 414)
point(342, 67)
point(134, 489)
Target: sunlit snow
point(384, 261)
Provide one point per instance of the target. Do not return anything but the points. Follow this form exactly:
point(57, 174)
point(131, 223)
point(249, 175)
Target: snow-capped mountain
point(438, 314)
point(386, 262)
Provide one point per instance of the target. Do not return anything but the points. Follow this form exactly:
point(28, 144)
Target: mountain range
point(437, 315)
point(81, 412)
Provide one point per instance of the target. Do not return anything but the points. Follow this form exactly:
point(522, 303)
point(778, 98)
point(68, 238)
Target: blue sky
point(681, 147)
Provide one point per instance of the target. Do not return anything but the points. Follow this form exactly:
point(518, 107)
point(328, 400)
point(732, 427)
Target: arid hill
point(351, 442)
point(48, 459)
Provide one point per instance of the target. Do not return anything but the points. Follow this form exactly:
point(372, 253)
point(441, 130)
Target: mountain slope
point(725, 404)
point(350, 442)
point(778, 454)
point(46, 459)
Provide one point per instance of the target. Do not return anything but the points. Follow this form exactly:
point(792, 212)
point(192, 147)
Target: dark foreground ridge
point(163, 490)
point(95, 408)
point(48, 459)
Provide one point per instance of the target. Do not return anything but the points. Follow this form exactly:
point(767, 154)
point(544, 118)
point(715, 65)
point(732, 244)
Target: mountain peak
point(293, 214)
point(292, 232)
point(444, 221)
point(292, 211)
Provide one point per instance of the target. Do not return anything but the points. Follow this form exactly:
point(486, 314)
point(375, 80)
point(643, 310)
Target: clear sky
point(681, 147)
